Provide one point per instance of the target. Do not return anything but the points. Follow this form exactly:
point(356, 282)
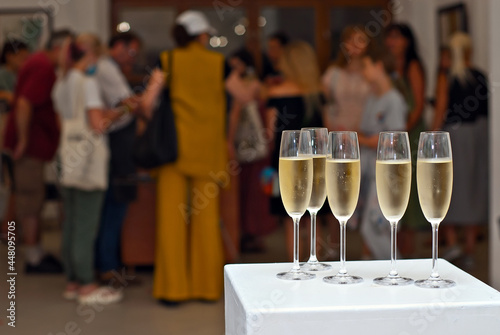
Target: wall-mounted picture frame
point(32, 26)
point(450, 20)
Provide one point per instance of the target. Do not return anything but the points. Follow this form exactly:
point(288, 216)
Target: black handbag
point(158, 144)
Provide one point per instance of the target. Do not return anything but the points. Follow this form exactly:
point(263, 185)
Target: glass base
point(393, 281)
point(315, 266)
point(295, 275)
point(342, 279)
point(435, 283)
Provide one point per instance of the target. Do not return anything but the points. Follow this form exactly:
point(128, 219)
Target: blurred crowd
point(72, 103)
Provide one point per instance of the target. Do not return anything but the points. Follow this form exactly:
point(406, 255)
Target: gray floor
point(41, 310)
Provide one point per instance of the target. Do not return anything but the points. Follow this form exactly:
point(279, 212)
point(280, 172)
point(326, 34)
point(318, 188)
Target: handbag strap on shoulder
point(79, 104)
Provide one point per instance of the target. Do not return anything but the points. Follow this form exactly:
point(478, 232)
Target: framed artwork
point(32, 26)
point(450, 20)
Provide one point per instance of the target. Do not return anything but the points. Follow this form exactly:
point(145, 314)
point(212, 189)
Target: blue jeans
point(110, 232)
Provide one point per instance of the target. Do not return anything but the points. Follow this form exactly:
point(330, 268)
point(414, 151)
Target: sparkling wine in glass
point(434, 185)
point(319, 144)
point(295, 179)
point(343, 177)
point(393, 179)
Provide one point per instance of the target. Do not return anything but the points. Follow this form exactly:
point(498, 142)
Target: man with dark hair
point(32, 138)
point(57, 38)
point(126, 38)
point(275, 46)
point(14, 54)
point(123, 50)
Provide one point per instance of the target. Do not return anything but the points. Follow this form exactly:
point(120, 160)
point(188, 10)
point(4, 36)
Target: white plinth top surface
point(259, 303)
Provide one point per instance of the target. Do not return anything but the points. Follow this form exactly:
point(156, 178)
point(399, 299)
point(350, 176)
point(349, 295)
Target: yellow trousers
point(189, 253)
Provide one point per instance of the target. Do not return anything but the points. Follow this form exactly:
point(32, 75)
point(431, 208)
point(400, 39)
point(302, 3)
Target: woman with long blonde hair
point(462, 110)
point(295, 103)
point(300, 70)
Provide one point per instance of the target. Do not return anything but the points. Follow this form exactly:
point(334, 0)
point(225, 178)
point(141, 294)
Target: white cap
point(195, 23)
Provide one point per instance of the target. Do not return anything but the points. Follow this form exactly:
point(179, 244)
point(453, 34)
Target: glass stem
point(342, 270)
point(394, 240)
point(434, 273)
point(312, 257)
point(296, 266)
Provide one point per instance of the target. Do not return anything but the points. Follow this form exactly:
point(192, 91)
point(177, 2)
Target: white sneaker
point(103, 295)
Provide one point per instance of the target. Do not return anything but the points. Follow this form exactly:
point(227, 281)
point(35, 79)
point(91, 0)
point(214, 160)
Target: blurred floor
point(41, 310)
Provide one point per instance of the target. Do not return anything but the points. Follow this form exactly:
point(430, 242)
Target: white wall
point(494, 73)
point(483, 20)
point(77, 15)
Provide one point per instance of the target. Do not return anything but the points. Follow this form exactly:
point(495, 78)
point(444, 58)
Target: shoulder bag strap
point(80, 112)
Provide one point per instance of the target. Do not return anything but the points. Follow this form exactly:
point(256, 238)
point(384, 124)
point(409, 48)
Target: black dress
point(466, 121)
point(292, 115)
point(467, 101)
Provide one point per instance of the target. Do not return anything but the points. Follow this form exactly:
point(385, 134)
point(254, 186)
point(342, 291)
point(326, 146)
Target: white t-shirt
point(66, 92)
point(73, 95)
point(113, 83)
point(114, 88)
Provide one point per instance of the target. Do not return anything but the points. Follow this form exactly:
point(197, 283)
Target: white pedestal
point(256, 302)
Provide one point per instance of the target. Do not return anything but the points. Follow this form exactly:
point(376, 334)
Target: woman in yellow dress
point(189, 251)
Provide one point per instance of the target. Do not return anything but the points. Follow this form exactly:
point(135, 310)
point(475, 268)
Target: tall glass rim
point(343, 132)
point(299, 150)
point(313, 128)
point(393, 132)
point(319, 140)
point(434, 134)
point(290, 131)
point(286, 135)
point(392, 135)
point(347, 133)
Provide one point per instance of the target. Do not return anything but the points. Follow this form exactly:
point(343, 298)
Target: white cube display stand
point(256, 302)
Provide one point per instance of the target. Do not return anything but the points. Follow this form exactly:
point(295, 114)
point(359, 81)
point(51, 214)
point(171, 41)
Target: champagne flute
point(319, 143)
point(295, 179)
point(393, 178)
point(434, 185)
point(343, 178)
